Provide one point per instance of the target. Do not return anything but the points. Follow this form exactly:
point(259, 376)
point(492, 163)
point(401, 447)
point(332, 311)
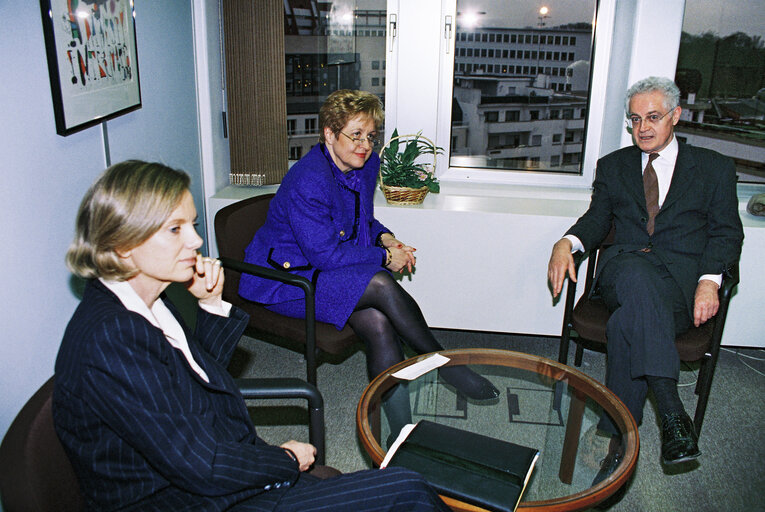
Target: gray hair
point(655, 83)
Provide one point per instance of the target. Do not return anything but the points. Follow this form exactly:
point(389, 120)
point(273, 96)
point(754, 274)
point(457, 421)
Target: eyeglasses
point(651, 119)
point(371, 139)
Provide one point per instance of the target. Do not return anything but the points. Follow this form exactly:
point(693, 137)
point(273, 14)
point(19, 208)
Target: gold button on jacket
point(286, 264)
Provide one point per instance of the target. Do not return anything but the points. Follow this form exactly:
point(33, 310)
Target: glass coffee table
point(542, 404)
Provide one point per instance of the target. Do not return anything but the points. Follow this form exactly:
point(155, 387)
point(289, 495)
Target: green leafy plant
point(398, 169)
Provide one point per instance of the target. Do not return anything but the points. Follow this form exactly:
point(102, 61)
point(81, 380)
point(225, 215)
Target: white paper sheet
point(421, 367)
point(405, 431)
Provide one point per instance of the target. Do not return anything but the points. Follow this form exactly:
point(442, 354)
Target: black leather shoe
point(679, 441)
point(612, 460)
point(468, 383)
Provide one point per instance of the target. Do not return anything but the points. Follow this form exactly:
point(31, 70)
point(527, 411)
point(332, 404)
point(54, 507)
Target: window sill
point(502, 198)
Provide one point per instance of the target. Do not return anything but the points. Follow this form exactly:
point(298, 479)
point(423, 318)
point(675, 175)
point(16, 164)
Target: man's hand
point(706, 302)
point(561, 263)
point(305, 453)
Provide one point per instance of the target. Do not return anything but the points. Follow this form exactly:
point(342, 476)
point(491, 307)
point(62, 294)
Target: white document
point(421, 367)
point(405, 431)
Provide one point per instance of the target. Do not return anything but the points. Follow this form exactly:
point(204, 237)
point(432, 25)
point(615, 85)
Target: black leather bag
point(470, 467)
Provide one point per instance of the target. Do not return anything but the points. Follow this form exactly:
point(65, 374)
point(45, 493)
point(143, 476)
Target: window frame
point(432, 115)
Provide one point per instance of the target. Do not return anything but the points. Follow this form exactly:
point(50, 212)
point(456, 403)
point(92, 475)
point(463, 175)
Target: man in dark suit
point(674, 211)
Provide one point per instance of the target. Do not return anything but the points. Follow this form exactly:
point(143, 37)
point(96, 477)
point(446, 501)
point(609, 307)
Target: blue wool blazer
point(143, 430)
point(312, 226)
point(698, 229)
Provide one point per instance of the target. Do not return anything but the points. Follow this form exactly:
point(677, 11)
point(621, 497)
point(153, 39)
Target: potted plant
point(403, 180)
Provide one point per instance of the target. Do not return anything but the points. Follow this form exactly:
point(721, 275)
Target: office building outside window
point(329, 46)
point(518, 85)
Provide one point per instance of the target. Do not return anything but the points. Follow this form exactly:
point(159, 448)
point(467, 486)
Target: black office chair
point(235, 226)
point(35, 472)
point(585, 323)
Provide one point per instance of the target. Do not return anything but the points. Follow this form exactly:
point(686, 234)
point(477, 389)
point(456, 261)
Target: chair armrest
point(268, 273)
point(310, 302)
point(291, 388)
point(730, 280)
point(578, 257)
point(571, 286)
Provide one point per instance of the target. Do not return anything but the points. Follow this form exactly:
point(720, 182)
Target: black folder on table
point(470, 467)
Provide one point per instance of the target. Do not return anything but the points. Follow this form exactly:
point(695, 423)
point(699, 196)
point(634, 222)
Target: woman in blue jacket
point(321, 225)
point(145, 409)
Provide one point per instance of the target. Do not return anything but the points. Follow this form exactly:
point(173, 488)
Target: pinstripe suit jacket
point(143, 430)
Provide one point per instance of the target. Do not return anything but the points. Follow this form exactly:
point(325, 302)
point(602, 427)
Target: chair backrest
point(235, 225)
point(35, 472)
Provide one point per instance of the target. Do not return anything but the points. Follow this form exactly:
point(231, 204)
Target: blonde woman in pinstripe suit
point(145, 409)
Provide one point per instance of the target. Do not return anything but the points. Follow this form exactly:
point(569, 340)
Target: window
point(323, 53)
point(720, 70)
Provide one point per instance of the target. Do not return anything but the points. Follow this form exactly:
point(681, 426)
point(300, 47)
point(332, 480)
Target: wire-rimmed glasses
point(371, 139)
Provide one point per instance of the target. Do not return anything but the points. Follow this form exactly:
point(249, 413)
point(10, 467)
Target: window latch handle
point(392, 23)
point(448, 32)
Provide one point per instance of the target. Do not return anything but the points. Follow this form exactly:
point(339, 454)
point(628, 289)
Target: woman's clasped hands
point(402, 255)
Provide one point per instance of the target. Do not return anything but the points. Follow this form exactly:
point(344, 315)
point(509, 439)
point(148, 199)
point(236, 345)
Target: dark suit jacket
point(142, 429)
point(697, 231)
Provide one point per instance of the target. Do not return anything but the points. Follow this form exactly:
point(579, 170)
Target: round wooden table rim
point(553, 369)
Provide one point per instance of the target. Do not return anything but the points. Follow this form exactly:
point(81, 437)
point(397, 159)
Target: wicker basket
point(405, 195)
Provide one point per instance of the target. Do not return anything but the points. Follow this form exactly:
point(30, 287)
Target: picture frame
point(92, 61)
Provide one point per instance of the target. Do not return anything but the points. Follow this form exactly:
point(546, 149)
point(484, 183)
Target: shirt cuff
point(223, 310)
point(576, 244)
point(716, 278)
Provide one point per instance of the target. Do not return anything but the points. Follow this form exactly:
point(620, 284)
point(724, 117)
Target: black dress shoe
point(679, 441)
point(612, 460)
point(468, 383)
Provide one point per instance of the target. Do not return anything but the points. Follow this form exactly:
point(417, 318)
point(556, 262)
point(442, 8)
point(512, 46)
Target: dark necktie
point(651, 189)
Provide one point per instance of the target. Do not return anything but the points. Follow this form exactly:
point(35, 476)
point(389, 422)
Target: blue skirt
point(337, 293)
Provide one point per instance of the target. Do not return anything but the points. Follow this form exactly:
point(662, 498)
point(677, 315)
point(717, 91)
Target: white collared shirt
point(161, 317)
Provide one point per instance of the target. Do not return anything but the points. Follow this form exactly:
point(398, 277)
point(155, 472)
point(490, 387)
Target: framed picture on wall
point(92, 61)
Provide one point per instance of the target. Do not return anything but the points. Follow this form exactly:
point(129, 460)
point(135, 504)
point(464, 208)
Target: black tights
point(384, 312)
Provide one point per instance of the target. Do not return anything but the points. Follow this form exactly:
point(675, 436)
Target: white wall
point(44, 175)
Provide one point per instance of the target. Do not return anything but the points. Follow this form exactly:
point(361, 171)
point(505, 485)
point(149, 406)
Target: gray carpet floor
point(729, 476)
